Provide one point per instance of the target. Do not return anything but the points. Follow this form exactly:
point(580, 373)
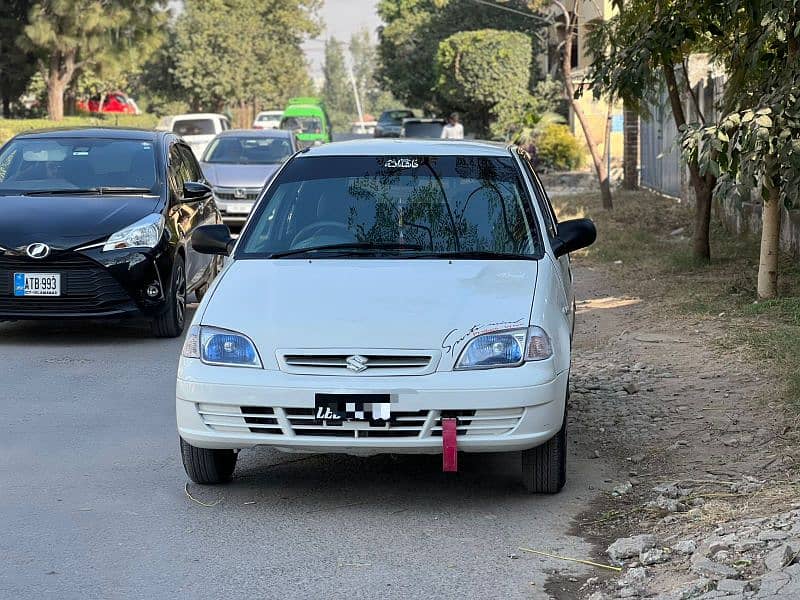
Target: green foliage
point(11, 127)
point(17, 65)
point(413, 30)
point(337, 90)
point(242, 50)
point(484, 75)
point(557, 149)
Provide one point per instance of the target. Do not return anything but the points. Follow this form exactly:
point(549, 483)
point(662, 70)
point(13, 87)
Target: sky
point(341, 18)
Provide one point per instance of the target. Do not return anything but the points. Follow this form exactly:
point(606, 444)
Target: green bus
point(308, 119)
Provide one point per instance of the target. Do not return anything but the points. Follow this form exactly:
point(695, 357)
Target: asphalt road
point(92, 500)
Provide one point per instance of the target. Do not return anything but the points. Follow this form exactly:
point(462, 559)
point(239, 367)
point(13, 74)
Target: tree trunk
point(6, 106)
point(569, 87)
point(703, 184)
point(55, 99)
point(770, 245)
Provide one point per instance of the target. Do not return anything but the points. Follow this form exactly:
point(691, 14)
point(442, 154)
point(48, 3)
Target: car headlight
point(145, 233)
point(221, 347)
point(508, 348)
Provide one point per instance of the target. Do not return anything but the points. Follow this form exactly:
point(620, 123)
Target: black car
point(390, 123)
point(97, 223)
point(423, 128)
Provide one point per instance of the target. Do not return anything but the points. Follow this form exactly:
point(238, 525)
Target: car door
point(184, 215)
point(204, 213)
point(551, 225)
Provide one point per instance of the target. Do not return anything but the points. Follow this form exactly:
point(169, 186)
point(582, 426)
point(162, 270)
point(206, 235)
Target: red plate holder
point(449, 446)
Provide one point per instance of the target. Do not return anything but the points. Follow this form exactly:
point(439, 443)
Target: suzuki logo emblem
point(240, 193)
point(357, 363)
point(38, 250)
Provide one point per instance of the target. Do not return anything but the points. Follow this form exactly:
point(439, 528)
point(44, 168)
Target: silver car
point(237, 164)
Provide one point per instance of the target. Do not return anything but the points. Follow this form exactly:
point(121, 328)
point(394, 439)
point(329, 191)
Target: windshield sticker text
point(401, 163)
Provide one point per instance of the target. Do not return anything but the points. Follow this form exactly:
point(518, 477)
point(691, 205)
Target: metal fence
point(659, 151)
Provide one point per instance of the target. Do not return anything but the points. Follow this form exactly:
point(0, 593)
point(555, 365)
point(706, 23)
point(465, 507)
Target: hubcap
point(180, 295)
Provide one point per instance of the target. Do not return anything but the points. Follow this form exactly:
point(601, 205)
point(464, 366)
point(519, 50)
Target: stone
point(747, 544)
point(599, 596)
point(731, 586)
point(713, 570)
point(769, 535)
point(685, 547)
point(778, 558)
point(631, 546)
point(721, 557)
point(633, 579)
point(631, 388)
point(717, 546)
point(654, 556)
point(622, 489)
point(669, 490)
point(668, 504)
point(781, 585)
point(694, 589)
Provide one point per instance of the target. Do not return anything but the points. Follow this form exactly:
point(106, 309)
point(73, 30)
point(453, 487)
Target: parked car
point(363, 127)
point(390, 123)
point(196, 129)
point(309, 121)
point(387, 296)
point(115, 102)
point(423, 128)
point(238, 163)
point(269, 119)
point(97, 222)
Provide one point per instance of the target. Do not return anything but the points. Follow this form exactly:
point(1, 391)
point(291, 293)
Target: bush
point(558, 150)
point(11, 127)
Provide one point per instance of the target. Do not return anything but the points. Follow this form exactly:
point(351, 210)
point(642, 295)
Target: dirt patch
point(663, 390)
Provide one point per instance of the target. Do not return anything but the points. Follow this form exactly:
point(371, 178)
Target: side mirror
point(573, 235)
point(195, 190)
point(213, 239)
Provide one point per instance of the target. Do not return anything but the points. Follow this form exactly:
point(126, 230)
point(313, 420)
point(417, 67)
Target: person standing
point(453, 130)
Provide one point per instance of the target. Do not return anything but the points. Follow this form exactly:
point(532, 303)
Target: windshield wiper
point(474, 255)
point(354, 246)
point(98, 191)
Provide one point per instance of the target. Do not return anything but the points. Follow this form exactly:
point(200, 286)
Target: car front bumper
point(494, 412)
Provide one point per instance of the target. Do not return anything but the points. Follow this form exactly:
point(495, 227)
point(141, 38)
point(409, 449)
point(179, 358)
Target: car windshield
point(417, 206)
point(193, 127)
point(395, 117)
point(417, 129)
point(64, 164)
point(248, 150)
point(302, 124)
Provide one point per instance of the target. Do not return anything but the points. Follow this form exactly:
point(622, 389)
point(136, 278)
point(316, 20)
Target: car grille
point(86, 287)
point(300, 422)
point(374, 363)
point(229, 194)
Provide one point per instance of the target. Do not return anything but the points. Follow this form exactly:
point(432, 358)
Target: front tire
point(207, 466)
point(169, 324)
point(544, 468)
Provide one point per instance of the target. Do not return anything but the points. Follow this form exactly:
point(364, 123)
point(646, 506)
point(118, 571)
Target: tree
point(242, 50)
point(568, 29)
point(337, 90)
point(482, 74)
point(755, 145)
point(413, 30)
point(17, 65)
point(75, 34)
point(632, 52)
point(364, 56)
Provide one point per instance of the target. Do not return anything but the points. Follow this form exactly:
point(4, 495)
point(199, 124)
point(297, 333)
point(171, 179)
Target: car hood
point(249, 176)
point(371, 303)
point(68, 221)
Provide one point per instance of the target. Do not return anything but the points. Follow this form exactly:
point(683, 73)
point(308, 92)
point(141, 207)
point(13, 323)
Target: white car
point(387, 296)
point(196, 129)
point(269, 119)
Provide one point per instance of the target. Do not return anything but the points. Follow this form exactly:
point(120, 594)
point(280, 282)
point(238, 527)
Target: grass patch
point(11, 127)
point(648, 239)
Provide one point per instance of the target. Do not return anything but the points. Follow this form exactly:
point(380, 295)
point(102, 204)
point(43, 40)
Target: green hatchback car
point(308, 119)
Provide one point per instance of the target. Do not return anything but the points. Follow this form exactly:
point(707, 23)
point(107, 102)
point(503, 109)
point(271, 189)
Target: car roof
point(267, 133)
point(389, 146)
point(123, 133)
point(198, 116)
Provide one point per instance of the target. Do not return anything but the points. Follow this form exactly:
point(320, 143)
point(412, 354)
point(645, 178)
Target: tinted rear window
point(194, 127)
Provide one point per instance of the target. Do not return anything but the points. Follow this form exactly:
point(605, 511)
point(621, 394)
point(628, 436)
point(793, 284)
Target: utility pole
point(355, 93)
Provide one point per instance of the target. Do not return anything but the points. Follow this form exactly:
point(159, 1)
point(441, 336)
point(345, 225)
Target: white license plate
point(239, 209)
point(37, 284)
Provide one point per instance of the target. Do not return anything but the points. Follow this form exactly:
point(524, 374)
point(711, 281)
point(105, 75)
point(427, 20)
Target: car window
point(438, 204)
point(177, 172)
point(58, 163)
point(302, 124)
point(548, 214)
point(248, 150)
point(395, 117)
point(194, 127)
point(417, 129)
point(226, 124)
point(191, 166)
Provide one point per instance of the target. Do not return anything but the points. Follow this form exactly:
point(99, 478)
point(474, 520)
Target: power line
point(514, 10)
